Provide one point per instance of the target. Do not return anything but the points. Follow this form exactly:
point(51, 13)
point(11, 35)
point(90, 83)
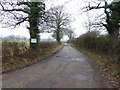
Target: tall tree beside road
point(70, 33)
point(58, 20)
point(17, 12)
point(112, 16)
point(115, 18)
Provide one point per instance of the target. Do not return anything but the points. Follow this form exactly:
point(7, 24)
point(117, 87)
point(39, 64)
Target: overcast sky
point(71, 6)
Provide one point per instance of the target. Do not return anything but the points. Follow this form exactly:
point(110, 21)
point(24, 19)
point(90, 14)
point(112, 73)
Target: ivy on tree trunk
point(35, 13)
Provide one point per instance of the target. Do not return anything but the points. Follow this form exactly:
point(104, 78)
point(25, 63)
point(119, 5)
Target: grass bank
point(17, 55)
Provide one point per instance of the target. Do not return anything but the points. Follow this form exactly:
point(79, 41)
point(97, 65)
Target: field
point(18, 54)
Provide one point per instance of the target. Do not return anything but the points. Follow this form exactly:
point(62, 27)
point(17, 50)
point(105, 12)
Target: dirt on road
point(67, 69)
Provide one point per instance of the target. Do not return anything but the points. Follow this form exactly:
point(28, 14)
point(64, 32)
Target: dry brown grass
point(19, 55)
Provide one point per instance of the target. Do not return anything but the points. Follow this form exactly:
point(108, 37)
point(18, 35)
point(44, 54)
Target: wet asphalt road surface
point(67, 69)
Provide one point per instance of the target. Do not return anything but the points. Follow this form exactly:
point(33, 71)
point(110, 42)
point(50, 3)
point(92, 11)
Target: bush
point(14, 48)
point(42, 49)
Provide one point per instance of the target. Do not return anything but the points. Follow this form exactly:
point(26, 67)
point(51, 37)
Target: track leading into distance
point(67, 69)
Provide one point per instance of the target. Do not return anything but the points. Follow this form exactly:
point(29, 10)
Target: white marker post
point(33, 40)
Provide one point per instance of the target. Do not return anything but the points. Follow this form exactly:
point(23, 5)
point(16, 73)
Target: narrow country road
point(67, 69)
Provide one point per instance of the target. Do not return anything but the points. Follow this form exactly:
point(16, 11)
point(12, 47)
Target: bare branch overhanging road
point(67, 69)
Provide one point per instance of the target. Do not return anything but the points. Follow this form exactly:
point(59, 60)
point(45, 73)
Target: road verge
point(25, 62)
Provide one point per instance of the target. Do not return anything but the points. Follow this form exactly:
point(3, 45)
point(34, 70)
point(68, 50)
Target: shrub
point(13, 48)
point(21, 49)
point(46, 46)
point(100, 44)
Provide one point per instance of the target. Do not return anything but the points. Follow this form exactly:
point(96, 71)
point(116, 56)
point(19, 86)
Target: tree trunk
point(34, 30)
point(58, 34)
point(34, 35)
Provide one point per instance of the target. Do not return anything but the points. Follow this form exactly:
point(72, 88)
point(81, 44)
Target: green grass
point(113, 69)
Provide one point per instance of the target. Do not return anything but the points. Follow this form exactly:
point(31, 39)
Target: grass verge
point(14, 63)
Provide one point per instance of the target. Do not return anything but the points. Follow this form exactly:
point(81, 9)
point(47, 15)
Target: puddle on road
point(64, 56)
point(68, 58)
point(82, 77)
point(77, 76)
point(75, 59)
point(78, 59)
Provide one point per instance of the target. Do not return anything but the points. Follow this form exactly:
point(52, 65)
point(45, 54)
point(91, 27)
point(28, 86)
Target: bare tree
point(69, 32)
point(92, 22)
point(88, 24)
point(108, 20)
point(17, 12)
point(58, 20)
